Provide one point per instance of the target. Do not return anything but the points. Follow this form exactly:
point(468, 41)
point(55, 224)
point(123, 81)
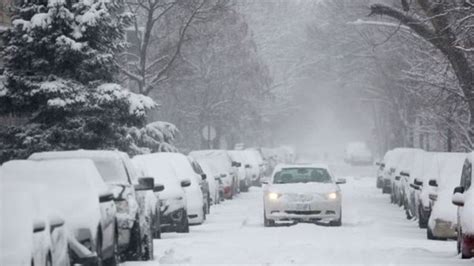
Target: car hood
point(304, 188)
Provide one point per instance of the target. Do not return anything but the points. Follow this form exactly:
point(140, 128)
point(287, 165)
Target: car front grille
point(303, 212)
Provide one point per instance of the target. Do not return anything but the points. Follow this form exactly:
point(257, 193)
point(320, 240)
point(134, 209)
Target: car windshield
point(111, 170)
point(302, 175)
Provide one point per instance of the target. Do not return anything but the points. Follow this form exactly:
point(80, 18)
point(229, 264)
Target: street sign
point(209, 133)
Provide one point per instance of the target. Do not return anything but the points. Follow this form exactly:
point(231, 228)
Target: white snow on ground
point(374, 232)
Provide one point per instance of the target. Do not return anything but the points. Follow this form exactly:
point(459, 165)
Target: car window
point(111, 170)
point(302, 175)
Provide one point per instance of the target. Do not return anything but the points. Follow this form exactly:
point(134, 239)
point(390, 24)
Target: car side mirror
point(38, 226)
point(203, 176)
point(458, 197)
point(433, 183)
point(223, 175)
point(186, 183)
point(55, 222)
point(158, 188)
point(145, 183)
point(248, 166)
point(418, 182)
point(341, 181)
point(105, 197)
point(404, 173)
point(397, 178)
point(264, 182)
point(433, 196)
point(414, 186)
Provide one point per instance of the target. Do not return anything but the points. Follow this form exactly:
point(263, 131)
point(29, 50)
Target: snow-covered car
point(302, 193)
point(239, 156)
point(413, 168)
point(30, 233)
point(213, 178)
point(423, 189)
point(391, 160)
point(173, 211)
point(402, 166)
point(443, 221)
point(135, 231)
point(204, 183)
point(255, 164)
point(226, 167)
point(194, 198)
point(357, 153)
point(463, 198)
point(94, 226)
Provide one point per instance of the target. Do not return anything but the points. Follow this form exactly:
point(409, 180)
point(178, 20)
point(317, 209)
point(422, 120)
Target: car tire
point(338, 222)
point(135, 245)
point(422, 222)
point(147, 246)
point(49, 260)
point(115, 259)
point(183, 225)
point(98, 249)
point(431, 236)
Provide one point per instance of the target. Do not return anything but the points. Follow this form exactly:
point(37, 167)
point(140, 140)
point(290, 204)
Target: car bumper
point(468, 246)
point(444, 229)
point(324, 211)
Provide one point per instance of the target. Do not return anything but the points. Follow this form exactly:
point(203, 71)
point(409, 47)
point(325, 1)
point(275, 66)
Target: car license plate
point(302, 207)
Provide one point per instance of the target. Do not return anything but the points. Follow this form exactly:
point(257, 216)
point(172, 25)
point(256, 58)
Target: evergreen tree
point(60, 71)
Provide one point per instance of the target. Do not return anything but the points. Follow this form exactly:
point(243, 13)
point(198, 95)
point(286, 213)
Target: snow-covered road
point(374, 232)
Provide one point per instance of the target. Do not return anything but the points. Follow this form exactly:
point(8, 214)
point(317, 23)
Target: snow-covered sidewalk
point(374, 232)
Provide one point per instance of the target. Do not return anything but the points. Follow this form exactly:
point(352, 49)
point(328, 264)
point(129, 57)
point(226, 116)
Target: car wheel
point(115, 259)
point(422, 222)
point(98, 249)
point(204, 211)
point(157, 229)
point(465, 252)
point(49, 260)
point(183, 225)
point(147, 251)
point(135, 245)
point(337, 222)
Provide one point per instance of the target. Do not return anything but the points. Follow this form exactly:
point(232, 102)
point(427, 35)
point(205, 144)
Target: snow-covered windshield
point(302, 175)
point(111, 170)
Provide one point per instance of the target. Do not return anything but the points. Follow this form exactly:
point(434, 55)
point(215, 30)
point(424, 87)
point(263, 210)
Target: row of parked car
point(103, 207)
point(435, 189)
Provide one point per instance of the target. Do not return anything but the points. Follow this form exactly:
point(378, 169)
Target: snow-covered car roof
point(162, 171)
point(71, 185)
point(109, 163)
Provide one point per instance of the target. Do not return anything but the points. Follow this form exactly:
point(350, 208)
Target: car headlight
point(273, 196)
point(332, 196)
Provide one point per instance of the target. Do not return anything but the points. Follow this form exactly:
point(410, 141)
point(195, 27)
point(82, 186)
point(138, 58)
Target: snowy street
point(373, 232)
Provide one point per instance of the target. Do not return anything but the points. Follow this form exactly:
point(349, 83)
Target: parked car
point(412, 168)
point(134, 226)
point(226, 167)
point(391, 160)
point(357, 153)
point(30, 234)
point(423, 188)
point(94, 226)
point(173, 211)
point(256, 165)
point(463, 198)
point(213, 178)
point(302, 193)
point(196, 207)
point(241, 160)
point(443, 221)
point(203, 183)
